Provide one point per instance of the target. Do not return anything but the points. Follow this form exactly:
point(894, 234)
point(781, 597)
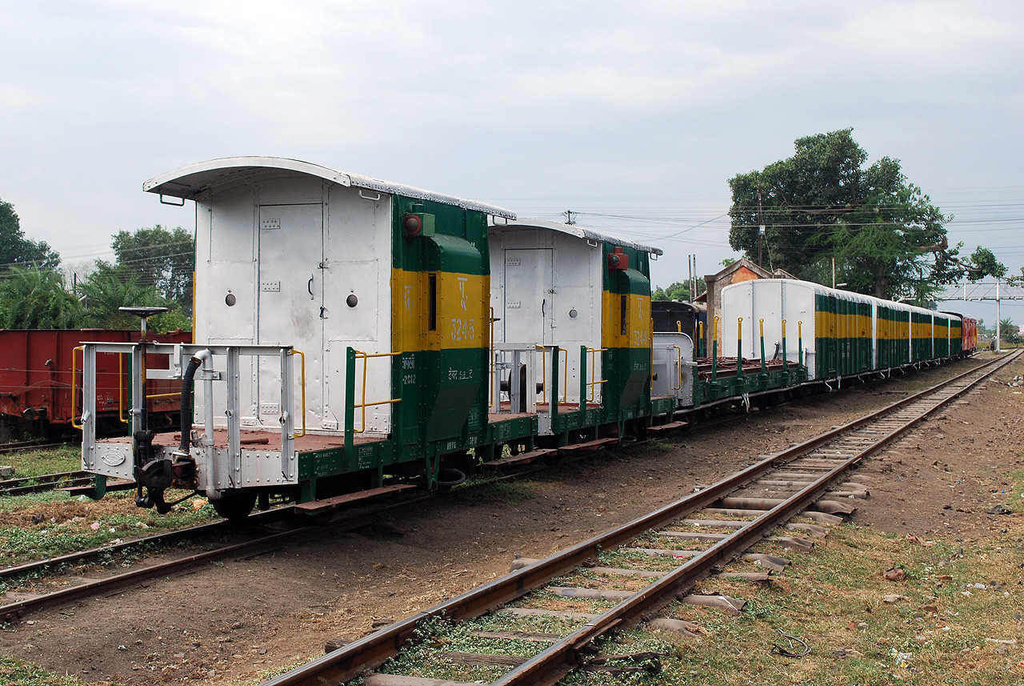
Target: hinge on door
point(323, 312)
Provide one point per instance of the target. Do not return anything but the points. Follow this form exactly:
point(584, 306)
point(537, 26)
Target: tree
point(15, 249)
point(35, 298)
point(109, 288)
point(886, 236)
point(678, 291)
point(159, 257)
point(1009, 332)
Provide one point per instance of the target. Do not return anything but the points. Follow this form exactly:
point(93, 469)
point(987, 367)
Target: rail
point(362, 405)
point(228, 468)
point(566, 652)
point(565, 373)
point(594, 382)
point(74, 390)
point(302, 386)
point(679, 368)
point(120, 389)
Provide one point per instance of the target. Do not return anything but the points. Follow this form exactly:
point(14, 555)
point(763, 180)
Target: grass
point(952, 600)
point(957, 614)
point(1016, 501)
point(18, 673)
point(67, 458)
point(67, 524)
point(40, 525)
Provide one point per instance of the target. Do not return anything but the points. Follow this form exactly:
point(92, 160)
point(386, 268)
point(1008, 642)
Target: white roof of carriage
point(191, 180)
point(575, 230)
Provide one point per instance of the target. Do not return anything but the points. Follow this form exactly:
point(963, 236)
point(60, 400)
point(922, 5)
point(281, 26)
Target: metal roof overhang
point(577, 231)
point(192, 180)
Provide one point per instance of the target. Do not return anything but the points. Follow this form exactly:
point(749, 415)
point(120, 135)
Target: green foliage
point(170, 321)
point(110, 287)
point(1008, 331)
point(66, 458)
point(48, 539)
point(13, 671)
point(886, 236)
point(678, 291)
point(15, 249)
point(159, 257)
point(984, 263)
point(36, 298)
point(153, 267)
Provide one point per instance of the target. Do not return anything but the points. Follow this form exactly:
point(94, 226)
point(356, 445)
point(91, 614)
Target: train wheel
point(234, 505)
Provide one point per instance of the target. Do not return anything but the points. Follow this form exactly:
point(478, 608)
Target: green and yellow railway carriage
point(839, 333)
point(352, 335)
point(355, 337)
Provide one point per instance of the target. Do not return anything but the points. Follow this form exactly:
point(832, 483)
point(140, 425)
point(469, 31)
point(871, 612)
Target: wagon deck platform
point(254, 439)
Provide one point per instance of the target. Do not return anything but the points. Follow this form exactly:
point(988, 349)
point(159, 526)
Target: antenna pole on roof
point(568, 216)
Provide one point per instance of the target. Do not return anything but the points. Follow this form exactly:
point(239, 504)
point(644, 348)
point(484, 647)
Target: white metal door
point(529, 297)
point(290, 299)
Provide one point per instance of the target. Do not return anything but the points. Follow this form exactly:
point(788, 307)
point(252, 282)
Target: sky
point(634, 115)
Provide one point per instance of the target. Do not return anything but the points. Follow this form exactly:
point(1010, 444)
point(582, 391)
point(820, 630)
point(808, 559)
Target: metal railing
point(178, 355)
point(594, 381)
point(74, 390)
point(362, 405)
point(679, 368)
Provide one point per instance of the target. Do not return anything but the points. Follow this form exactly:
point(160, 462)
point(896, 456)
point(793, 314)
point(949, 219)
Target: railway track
point(38, 568)
point(634, 570)
point(24, 446)
point(44, 482)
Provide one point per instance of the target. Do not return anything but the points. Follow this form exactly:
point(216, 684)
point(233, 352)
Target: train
point(40, 385)
point(356, 337)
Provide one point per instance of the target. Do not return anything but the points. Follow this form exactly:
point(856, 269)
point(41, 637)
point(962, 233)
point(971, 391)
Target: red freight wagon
point(35, 378)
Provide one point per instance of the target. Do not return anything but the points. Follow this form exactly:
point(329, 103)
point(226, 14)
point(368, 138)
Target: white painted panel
point(357, 262)
point(673, 366)
point(529, 300)
point(772, 299)
point(290, 296)
point(574, 317)
point(262, 244)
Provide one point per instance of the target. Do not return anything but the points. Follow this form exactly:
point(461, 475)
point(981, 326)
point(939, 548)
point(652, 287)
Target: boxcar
point(36, 380)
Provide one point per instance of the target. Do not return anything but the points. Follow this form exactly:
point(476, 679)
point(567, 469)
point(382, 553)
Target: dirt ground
point(942, 477)
point(234, 621)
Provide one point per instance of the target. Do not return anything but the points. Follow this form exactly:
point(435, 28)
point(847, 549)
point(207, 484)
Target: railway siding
point(830, 455)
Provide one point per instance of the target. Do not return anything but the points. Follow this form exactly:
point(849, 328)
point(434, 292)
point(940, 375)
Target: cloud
point(617, 104)
point(14, 97)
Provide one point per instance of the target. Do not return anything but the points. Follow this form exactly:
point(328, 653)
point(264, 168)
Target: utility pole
point(999, 315)
point(568, 216)
point(693, 288)
point(760, 226)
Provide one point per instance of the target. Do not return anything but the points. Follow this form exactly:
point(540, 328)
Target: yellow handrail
point(302, 376)
point(593, 384)
point(679, 368)
point(155, 396)
point(120, 388)
point(359, 354)
point(74, 376)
